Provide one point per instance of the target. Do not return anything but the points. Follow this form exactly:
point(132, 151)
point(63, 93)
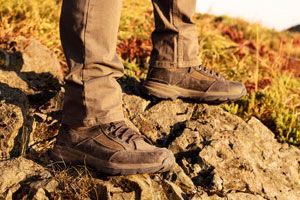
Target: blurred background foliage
point(268, 62)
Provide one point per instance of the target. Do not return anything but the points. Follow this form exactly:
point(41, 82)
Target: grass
point(36, 18)
point(75, 182)
point(265, 60)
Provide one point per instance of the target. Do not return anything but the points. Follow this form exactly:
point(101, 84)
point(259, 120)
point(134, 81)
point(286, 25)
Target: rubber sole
point(74, 157)
point(164, 91)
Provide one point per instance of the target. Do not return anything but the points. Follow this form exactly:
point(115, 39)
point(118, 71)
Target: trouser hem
point(93, 121)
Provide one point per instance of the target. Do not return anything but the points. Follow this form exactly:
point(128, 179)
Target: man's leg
point(94, 131)
point(89, 36)
point(175, 69)
point(175, 38)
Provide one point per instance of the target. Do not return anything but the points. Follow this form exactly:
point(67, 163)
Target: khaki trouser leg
point(175, 40)
point(89, 37)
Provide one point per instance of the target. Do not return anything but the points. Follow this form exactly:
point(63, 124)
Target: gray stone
point(180, 178)
point(32, 70)
point(221, 154)
point(173, 191)
point(240, 157)
point(38, 58)
point(17, 171)
point(13, 80)
point(11, 121)
point(141, 184)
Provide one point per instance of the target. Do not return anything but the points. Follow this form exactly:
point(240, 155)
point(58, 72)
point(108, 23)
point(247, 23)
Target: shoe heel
point(161, 90)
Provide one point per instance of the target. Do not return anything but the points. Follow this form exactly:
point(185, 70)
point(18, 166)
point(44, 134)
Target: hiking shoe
point(196, 83)
point(113, 149)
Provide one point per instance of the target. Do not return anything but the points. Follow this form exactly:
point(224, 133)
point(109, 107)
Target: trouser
point(89, 37)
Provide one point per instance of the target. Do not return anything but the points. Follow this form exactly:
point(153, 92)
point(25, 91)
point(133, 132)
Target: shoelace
point(122, 131)
point(209, 72)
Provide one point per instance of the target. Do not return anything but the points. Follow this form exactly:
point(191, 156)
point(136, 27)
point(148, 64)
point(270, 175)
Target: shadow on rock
point(132, 86)
point(37, 81)
point(36, 94)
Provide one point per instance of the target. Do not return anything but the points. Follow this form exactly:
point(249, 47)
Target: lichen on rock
point(11, 121)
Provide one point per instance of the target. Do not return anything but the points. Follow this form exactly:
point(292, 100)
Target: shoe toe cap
point(168, 160)
point(154, 156)
point(227, 86)
point(236, 87)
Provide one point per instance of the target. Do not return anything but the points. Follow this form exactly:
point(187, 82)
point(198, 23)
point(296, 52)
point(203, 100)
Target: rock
point(50, 186)
point(40, 195)
point(30, 80)
point(220, 154)
point(161, 121)
point(11, 121)
point(13, 80)
point(244, 196)
point(13, 111)
point(141, 184)
point(123, 195)
point(173, 191)
point(134, 105)
point(144, 183)
point(19, 173)
point(45, 124)
point(190, 137)
point(238, 157)
point(15, 96)
point(38, 58)
point(180, 178)
point(4, 59)
point(32, 67)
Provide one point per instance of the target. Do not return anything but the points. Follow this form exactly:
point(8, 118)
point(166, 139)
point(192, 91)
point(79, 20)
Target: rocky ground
point(219, 156)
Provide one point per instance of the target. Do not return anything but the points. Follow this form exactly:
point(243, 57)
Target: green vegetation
point(265, 60)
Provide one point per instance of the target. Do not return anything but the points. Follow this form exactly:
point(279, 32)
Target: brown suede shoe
point(197, 83)
point(113, 149)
